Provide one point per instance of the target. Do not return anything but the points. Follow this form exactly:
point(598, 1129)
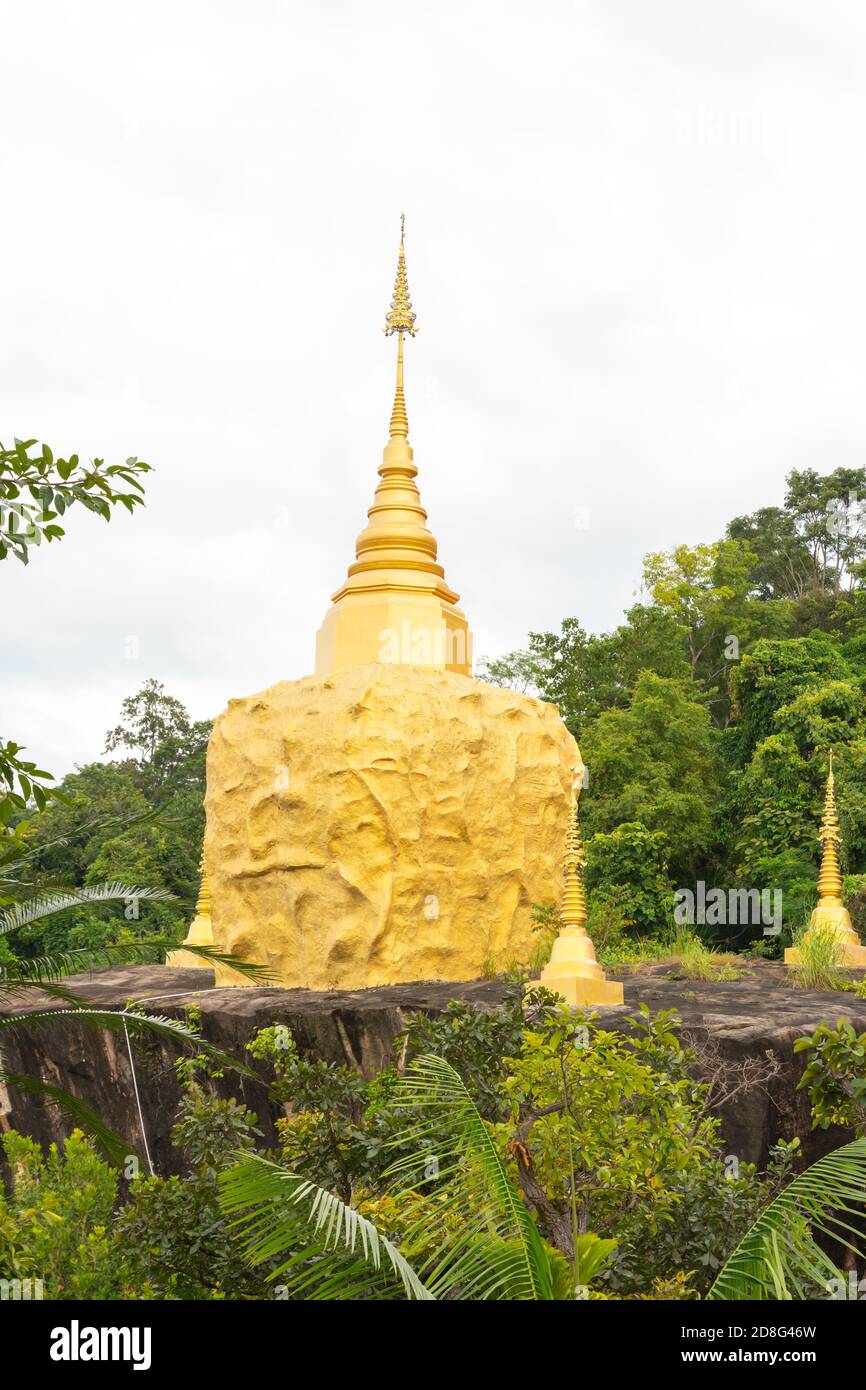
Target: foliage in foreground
point(603, 1133)
point(779, 1257)
point(498, 1157)
point(67, 1221)
point(835, 1075)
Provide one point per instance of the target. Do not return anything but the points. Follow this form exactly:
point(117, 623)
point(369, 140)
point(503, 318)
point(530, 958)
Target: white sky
point(635, 242)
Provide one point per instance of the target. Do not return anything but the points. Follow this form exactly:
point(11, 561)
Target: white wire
point(138, 1102)
point(145, 999)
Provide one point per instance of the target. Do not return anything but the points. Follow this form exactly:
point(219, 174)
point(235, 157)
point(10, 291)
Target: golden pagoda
point(830, 912)
point(388, 819)
point(573, 970)
point(395, 605)
point(200, 928)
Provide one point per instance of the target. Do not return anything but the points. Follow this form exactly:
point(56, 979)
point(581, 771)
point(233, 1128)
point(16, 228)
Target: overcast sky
point(636, 237)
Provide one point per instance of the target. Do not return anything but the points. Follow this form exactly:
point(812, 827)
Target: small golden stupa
point(200, 928)
point(573, 970)
point(830, 911)
point(395, 605)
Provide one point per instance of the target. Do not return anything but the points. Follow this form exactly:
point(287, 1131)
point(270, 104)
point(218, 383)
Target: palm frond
point(469, 1225)
point(103, 1018)
point(250, 969)
point(319, 1247)
point(779, 1256)
point(21, 914)
point(81, 960)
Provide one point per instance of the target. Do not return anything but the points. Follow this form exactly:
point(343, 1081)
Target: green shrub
point(176, 1240)
point(835, 1075)
point(631, 863)
point(55, 1221)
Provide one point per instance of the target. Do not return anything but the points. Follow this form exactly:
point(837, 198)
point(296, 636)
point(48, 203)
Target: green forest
point(706, 718)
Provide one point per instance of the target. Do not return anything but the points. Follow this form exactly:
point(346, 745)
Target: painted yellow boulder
point(384, 824)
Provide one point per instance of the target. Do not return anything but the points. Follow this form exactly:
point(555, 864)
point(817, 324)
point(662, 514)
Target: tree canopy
point(705, 719)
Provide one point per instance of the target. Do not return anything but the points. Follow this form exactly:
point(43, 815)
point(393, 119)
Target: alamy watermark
point(409, 645)
point(736, 907)
point(21, 1290)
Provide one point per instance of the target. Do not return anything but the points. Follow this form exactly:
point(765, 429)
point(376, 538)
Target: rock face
point(384, 824)
point(743, 1020)
point(348, 1028)
point(750, 1020)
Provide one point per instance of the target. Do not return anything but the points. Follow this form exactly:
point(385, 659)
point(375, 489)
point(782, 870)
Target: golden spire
point(200, 931)
point(572, 912)
point(830, 877)
point(831, 916)
point(395, 604)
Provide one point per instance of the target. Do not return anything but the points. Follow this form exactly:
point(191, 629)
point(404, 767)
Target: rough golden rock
point(384, 824)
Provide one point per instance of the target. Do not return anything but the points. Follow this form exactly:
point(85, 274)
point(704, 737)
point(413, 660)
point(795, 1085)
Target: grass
point(820, 960)
point(489, 969)
point(697, 962)
point(691, 957)
point(540, 953)
point(623, 953)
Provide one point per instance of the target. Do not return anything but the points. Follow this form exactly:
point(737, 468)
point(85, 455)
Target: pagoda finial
point(395, 605)
point(400, 319)
point(202, 907)
point(573, 908)
point(830, 835)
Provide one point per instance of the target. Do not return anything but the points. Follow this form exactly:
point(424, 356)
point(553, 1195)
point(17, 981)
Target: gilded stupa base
point(416, 629)
point(833, 916)
point(200, 934)
point(574, 972)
